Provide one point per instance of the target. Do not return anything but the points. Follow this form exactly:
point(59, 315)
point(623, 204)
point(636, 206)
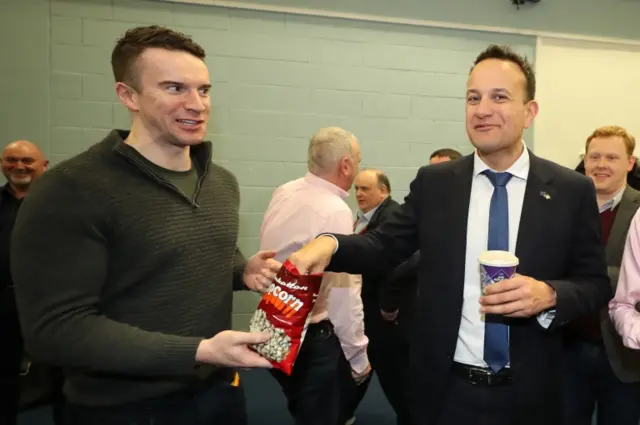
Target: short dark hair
point(383, 180)
point(136, 40)
point(505, 53)
point(449, 153)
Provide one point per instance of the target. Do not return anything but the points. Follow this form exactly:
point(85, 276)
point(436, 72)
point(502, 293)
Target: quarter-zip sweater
point(119, 275)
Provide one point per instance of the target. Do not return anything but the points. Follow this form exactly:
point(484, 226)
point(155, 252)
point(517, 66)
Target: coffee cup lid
point(498, 259)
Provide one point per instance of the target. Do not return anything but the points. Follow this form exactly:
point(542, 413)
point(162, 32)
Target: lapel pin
point(545, 195)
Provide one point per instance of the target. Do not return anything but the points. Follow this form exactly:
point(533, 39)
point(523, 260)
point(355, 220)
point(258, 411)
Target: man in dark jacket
point(22, 164)
point(388, 350)
point(508, 368)
point(407, 272)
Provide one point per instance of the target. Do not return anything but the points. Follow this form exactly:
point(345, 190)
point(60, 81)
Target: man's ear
point(344, 165)
point(532, 112)
point(128, 96)
point(632, 161)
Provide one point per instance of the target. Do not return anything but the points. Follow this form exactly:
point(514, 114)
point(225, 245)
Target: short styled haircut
point(136, 40)
point(505, 53)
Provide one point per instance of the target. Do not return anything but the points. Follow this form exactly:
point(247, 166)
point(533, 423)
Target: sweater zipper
point(192, 201)
point(199, 183)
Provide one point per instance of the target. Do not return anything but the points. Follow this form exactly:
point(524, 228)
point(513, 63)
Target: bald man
point(22, 164)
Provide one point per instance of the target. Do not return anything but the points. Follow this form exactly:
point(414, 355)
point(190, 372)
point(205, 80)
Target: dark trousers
point(388, 353)
point(219, 403)
point(467, 403)
point(57, 396)
point(591, 385)
point(320, 389)
point(389, 356)
point(12, 345)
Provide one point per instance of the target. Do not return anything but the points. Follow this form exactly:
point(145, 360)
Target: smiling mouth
point(190, 122)
point(484, 127)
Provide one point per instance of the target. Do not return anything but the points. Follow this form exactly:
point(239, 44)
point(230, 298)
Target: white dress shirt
point(470, 346)
point(363, 219)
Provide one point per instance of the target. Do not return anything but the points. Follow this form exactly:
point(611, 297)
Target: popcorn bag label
point(284, 312)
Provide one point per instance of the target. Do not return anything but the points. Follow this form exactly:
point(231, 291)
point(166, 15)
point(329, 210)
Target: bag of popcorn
point(284, 312)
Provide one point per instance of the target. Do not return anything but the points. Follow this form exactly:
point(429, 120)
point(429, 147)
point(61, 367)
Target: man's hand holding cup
point(510, 294)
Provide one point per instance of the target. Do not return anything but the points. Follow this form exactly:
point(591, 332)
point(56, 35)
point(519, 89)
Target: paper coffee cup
point(496, 266)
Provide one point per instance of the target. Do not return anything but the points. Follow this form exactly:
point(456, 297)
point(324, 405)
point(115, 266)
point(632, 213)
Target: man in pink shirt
point(333, 358)
point(625, 305)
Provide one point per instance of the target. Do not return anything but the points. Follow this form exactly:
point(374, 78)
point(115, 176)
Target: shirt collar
point(519, 169)
point(314, 180)
point(5, 191)
point(367, 216)
point(613, 202)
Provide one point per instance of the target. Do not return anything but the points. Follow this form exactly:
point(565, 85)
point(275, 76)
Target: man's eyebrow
point(495, 90)
point(178, 83)
point(169, 82)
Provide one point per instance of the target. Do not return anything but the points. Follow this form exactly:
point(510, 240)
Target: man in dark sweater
point(602, 374)
point(125, 257)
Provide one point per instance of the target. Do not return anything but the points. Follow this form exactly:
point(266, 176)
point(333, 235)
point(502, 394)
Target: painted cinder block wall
point(276, 79)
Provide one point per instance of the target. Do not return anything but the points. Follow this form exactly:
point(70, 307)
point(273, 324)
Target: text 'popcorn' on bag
point(284, 312)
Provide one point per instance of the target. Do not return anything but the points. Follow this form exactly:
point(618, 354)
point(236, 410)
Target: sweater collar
point(200, 153)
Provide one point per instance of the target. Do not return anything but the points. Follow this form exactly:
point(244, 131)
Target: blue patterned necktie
point(496, 335)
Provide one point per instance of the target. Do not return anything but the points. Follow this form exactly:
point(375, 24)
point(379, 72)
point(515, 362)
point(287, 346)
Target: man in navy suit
point(493, 356)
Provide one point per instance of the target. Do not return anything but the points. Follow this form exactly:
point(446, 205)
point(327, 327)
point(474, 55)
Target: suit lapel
point(538, 198)
point(376, 215)
point(626, 210)
point(459, 214)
